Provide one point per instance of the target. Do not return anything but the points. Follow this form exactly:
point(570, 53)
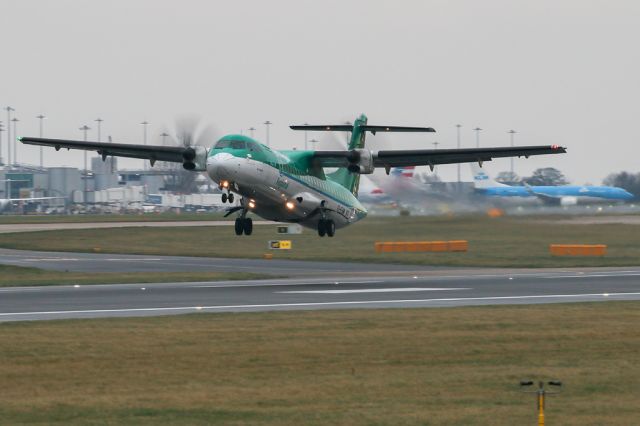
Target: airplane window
point(238, 145)
point(222, 144)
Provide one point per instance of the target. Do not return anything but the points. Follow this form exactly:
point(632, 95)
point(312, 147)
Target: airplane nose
point(219, 166)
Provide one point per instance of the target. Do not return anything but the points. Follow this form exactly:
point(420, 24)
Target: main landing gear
point(326, 227)
point(244, 225)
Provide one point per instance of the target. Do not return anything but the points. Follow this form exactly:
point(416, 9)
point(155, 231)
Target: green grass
point(15, 276)
point(89, 218)
point(501, 242)
point(458, 366)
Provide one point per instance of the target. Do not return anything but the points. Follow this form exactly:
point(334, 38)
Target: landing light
point(252, 204)
point(225, 184)
point(290, 205)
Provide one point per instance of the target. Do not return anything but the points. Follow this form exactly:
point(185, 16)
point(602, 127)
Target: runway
point(437, 289)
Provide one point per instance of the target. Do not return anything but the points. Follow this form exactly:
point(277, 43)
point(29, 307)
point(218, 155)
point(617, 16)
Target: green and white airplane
point(292, 186)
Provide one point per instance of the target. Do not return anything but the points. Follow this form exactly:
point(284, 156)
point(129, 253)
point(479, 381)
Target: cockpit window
point(238, 145)
point(222, 144)
point(254, 147)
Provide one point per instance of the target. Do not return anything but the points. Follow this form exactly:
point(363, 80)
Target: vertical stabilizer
point(343, 176)
point(481, 180)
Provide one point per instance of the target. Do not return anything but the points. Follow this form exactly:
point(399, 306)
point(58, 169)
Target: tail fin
point(342, 176)
point(481, 180)
point(403, 172)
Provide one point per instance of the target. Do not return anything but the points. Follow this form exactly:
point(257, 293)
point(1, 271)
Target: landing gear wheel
point(224, 198)
point(248, 226)
point(230, 198)
point(330, 228)
point(239, 228)
point(322, 230)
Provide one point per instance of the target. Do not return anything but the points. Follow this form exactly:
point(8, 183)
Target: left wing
point(153, 153)
point(430, 157)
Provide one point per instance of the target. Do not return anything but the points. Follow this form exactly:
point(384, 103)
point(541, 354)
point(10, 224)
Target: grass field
point(14, 276)
point(458, 366)
point(500, 242)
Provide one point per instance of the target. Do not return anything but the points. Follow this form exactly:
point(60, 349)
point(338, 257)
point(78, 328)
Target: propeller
point(188, 131)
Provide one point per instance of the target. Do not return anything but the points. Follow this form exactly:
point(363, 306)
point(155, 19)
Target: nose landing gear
point(226, 196)
point(326, 227)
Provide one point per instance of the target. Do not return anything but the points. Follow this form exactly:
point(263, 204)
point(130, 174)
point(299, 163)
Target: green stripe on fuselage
point(295, 165)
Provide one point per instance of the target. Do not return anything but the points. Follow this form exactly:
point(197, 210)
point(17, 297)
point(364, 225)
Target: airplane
point(565, 195)
point(291, 186)
point(5, 202)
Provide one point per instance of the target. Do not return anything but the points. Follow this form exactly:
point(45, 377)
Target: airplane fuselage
point(581, 193)
point(280, 191)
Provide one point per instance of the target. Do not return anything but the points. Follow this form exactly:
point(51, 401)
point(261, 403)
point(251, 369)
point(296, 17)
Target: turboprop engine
point(360, 161)
point(195, 158)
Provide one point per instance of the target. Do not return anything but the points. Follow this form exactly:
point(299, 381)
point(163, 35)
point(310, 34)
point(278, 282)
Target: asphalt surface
point(36, 227)
point(443, 288)
point(102, 262)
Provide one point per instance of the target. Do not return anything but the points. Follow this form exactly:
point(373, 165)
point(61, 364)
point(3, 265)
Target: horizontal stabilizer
point(366, 127)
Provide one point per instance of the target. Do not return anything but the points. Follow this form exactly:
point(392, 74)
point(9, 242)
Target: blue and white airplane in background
point(566, 195)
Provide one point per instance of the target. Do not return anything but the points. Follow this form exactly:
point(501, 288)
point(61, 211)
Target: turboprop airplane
point(291, 186)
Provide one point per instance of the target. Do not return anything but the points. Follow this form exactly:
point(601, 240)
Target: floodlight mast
point(41, 117)
point(84, 197)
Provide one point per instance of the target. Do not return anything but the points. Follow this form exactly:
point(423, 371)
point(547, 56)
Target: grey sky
point(562, 72)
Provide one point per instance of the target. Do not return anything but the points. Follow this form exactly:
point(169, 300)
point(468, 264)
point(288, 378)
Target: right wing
point(430, 157)
point(105, 149)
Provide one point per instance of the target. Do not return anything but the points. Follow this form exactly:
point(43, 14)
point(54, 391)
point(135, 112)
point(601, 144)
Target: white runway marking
point(370, 290)
point(597, 275)
point(281, 284)
point(313, 304)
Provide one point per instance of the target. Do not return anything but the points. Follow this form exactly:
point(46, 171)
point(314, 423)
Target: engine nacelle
point(360, 161)
point(195, 158)
point(568, 201)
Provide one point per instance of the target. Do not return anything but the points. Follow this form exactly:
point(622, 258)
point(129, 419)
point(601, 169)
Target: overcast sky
point(558, 72)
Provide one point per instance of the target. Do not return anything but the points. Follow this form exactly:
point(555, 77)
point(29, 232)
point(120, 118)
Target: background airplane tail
point(481, 180)
point(344, 177)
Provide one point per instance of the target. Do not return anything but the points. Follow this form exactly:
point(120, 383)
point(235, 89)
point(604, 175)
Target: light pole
point(15, 146)
point(1, 130)
point(252, 129)
point(458, 146)
point(435, 146)
point(99, 121)
point(267, 124)
point(314, 142)
point(9, 109)
point(305, 137)
point(477, 130)
point(164, 135)
point(84, 197)
point(511, 133)
point(145, 123)
point(41, 117)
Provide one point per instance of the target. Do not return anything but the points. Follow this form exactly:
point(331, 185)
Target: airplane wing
point(431, 157)
point(146, 152)
point(546, 198)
